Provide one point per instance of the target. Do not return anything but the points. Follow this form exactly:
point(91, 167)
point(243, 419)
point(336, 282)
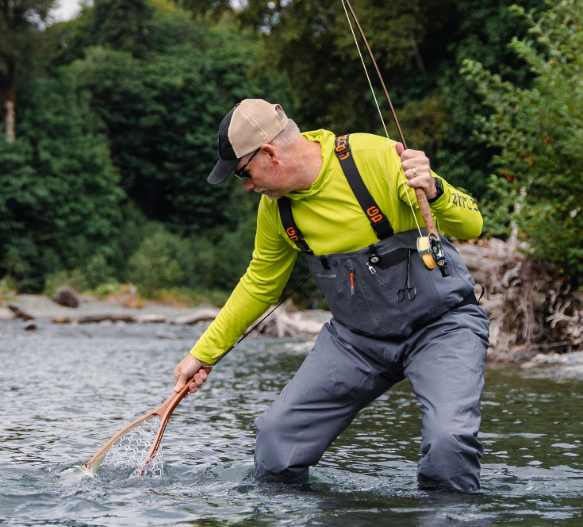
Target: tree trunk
point(9, 119)
point(9, 100)
point(418, 57)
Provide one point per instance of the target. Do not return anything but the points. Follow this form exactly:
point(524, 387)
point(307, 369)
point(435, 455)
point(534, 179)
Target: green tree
point(418, 46)
point(124, 25)
point(482, 33)
point(58, 185)
point(20, 24)
point(162, 109)
point(539, 134)
point(204, 7)
point(310, 41)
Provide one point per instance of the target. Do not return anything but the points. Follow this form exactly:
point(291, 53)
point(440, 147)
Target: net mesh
point(130, 450)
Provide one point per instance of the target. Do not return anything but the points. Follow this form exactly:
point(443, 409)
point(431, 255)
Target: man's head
point(266, 149)
point(248, 126)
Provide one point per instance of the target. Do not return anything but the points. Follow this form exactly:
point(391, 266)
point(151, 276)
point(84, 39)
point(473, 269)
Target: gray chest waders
point(392, 320)
point(364, 288)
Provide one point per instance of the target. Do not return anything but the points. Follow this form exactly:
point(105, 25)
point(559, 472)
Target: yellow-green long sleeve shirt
point(332, 221)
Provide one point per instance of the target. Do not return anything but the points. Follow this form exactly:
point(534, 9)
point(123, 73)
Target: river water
point(67, 389)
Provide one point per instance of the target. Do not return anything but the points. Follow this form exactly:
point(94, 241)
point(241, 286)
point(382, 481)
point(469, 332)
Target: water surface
point(67, 389)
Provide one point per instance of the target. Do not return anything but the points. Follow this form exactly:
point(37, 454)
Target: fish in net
point(131, 449)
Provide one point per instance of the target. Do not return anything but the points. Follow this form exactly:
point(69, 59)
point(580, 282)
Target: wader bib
point(385, 305)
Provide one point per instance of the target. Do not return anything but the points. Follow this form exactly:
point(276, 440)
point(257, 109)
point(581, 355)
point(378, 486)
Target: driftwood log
point(285, 322)
point(88, 319)
point(293, 325)
point(153, 318)
point(19, 313)
point(531, 308)
point(200, 315)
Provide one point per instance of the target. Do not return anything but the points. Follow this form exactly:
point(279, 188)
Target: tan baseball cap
point(250, 124)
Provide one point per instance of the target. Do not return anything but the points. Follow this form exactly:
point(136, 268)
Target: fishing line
point(399, 168)
point(13, 243)
point(259, 323)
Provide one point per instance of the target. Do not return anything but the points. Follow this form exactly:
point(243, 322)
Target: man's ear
point(272, 152)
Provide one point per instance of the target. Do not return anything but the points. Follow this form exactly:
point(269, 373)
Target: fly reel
point(431, 253)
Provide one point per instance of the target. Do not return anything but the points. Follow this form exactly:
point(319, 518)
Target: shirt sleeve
point(260, 287)
point(454, 213)
point(457, 214)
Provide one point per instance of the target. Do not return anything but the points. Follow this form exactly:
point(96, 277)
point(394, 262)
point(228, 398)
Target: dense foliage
point(117, 111)
point(539, 134)
point(58, 185)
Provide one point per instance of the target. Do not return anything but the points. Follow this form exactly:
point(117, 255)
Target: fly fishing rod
point(428, 247)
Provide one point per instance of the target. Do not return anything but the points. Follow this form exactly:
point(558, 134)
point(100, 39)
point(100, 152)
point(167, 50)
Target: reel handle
point(429, 247)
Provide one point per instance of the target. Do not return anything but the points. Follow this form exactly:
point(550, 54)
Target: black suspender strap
point(378, 220)
point(289, 224)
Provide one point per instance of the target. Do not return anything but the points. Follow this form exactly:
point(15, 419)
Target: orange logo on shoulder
point(342, 143)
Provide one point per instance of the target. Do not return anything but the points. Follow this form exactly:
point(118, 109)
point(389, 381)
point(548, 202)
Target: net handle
point(164, 411)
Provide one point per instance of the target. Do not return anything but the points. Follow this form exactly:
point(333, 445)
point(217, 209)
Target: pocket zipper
point(351, 278)
point(364, 297)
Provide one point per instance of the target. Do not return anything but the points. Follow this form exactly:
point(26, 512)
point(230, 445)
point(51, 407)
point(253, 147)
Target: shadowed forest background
point(110, 126)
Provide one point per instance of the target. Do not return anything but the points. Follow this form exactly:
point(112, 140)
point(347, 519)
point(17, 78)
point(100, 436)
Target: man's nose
point(248, 185)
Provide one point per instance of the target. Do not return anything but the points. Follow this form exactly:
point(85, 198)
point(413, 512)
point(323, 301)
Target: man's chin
point(272, 195)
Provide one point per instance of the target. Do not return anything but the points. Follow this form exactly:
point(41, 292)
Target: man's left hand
point(417, 170)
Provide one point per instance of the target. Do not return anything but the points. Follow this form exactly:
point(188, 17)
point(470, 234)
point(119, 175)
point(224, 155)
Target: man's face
point(266, 174)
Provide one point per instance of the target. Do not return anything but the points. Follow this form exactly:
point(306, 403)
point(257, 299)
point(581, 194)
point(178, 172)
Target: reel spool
point(431, 253)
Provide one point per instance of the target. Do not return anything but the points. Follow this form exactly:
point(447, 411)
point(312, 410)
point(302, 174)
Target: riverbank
point(30, 312)
point(536, 321)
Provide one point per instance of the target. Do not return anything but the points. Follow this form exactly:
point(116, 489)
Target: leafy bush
point(539, 132)
point(155, 264)
point(97, 271)
point(74, 278)
point(7, 287)
point(108, 288)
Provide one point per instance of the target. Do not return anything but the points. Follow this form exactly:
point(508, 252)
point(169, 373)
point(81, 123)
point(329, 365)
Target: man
point(345, 203)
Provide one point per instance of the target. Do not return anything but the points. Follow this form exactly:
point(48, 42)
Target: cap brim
point(222, 170)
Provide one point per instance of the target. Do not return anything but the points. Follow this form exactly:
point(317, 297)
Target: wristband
point(440, 191)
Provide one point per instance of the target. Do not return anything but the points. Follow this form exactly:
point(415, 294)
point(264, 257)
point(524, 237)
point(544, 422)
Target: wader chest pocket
point(377, 290)
point(364, 296)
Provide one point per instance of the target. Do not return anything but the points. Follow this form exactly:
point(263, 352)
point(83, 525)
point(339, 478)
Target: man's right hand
point(187, 368)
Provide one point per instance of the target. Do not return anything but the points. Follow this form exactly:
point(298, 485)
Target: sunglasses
point(241, 172)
